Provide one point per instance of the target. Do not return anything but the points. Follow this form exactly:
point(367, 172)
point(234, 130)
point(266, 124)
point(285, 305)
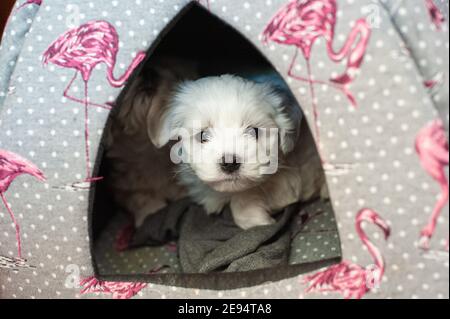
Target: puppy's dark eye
point(204, 136)
point(252, 131)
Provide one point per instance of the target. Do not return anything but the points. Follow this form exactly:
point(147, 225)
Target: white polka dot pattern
point(374, 142)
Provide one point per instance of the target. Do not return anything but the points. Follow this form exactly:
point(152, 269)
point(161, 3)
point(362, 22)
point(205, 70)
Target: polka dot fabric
point(422, 49)
point(18, 25)
point(316, 239)
point(369, 149)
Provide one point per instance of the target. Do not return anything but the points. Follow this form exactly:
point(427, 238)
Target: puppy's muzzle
point(230, 164)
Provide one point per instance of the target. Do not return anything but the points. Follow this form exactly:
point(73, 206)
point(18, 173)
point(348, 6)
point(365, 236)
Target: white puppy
point(242, 143)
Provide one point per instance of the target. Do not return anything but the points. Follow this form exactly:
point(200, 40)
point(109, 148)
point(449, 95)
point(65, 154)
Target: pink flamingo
point(82, 48)
point(300, 23)
point(118, 290)
point(436, 16)
point(432, 148)
point(11, 166)
point(123, 237)
point(352, 280)
point(436, 80)
point(28, 2)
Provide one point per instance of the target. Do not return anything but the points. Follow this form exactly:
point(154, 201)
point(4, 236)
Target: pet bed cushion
point(213, 243)
point(303, 234)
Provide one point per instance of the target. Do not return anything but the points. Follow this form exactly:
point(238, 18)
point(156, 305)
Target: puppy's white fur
point(227, 108)
point(141, 175)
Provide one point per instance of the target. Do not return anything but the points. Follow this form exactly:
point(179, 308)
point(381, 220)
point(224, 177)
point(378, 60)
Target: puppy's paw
point(250, 218)
point(247, 223)
point(250, 210)
point(213, 205)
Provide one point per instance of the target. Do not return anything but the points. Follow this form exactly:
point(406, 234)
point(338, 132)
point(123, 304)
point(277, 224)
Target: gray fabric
point(377, 138)
point(318, 238)
point(215, 243)
point(315, 243)
point(421, 48)
point(17, 27)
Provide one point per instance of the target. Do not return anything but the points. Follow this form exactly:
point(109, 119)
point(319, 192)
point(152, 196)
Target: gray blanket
point(214, 243)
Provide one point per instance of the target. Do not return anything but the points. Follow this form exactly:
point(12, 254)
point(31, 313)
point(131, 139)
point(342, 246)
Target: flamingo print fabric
point(12, 166)
point(301, 24)
point(432, 67)
point(82, 49)
point(399, 86)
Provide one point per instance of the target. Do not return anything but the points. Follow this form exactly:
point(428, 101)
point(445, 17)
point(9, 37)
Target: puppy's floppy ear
point(288, 117)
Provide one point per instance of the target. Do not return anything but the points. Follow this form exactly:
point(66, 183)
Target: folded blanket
point(214, 243)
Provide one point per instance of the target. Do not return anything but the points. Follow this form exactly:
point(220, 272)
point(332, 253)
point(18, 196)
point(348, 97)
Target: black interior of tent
point(200, 36)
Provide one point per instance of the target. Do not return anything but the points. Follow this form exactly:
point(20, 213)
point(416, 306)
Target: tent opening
point(313, 240)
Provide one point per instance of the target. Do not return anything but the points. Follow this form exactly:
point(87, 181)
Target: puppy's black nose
point(229, 164)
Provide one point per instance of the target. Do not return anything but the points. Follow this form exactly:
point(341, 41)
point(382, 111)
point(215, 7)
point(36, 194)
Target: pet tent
point(370, 76)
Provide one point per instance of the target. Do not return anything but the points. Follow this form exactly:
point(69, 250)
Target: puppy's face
point(231, 131)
